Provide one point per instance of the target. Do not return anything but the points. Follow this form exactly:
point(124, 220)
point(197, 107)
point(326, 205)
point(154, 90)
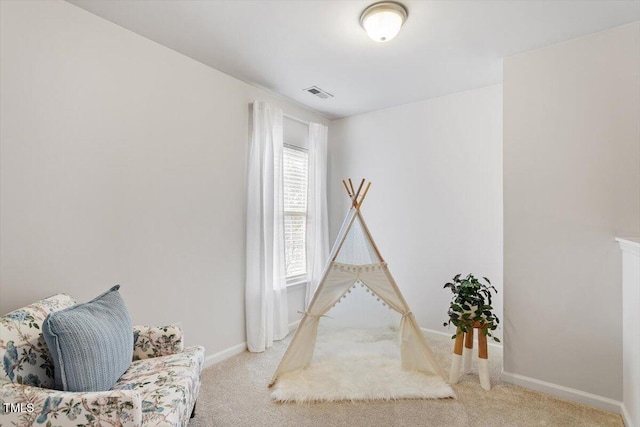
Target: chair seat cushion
point(91, 343)
point(168, 386)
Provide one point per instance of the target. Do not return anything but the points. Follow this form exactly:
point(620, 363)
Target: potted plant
point(471, 304)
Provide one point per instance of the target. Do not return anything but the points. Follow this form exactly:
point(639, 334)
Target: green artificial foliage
point(467, 294)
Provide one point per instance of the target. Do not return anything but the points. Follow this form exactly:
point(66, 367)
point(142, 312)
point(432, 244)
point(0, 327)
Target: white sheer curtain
point(266, 293)
point(317, 218)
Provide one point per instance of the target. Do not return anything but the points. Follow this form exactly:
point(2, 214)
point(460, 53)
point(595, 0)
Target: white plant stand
point(462, 363)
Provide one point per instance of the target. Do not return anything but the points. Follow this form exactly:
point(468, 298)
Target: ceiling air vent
point(315, 90)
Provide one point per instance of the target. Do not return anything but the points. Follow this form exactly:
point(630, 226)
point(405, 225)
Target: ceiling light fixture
point(383, 20)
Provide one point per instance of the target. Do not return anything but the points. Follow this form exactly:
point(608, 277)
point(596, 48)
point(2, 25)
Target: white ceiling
point(286, 46)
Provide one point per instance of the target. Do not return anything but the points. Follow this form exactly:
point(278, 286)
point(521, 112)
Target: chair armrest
point(27, 405)
point(156, 341)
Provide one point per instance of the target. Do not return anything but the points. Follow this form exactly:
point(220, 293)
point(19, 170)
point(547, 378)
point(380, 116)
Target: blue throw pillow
point(91, 343)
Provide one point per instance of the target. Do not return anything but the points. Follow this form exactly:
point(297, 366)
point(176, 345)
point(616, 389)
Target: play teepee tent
point(355, 258)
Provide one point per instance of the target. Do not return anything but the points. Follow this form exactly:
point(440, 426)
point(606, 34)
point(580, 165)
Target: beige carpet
point(234, 393)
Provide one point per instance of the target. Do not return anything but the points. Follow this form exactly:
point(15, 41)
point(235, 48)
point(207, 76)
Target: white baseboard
point(236, 349)
point(493, 344)
point(293, 325)
point(224, 354)
point(626, 417)
point(567, 393)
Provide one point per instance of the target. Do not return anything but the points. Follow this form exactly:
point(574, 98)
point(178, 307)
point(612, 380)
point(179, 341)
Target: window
point(296, 165)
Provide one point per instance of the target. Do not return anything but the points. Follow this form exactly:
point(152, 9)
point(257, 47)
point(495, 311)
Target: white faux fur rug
point(357, 364)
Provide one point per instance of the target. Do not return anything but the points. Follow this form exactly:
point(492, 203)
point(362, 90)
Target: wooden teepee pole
point(346, 187)
point(366, 190)
point(355, 196)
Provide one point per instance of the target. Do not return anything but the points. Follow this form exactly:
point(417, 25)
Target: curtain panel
point(265, 293)
point(317, 217)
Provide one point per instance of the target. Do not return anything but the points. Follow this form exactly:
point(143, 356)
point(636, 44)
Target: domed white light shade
point(383, 21)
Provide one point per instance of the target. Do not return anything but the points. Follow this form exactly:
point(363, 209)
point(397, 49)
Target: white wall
point(435, 204)
point(571, 183)
point(122, 161)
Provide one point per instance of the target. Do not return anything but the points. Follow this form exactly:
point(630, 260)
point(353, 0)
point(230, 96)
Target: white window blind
point(296, 170)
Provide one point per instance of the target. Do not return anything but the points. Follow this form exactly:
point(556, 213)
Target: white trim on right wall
point(626, 417)
point(567, 393)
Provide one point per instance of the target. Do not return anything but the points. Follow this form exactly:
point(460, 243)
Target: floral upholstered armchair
point(159, 388)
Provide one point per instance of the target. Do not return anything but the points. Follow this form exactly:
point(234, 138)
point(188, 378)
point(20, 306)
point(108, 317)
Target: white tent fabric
point(365, 265)
point(357, 249)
